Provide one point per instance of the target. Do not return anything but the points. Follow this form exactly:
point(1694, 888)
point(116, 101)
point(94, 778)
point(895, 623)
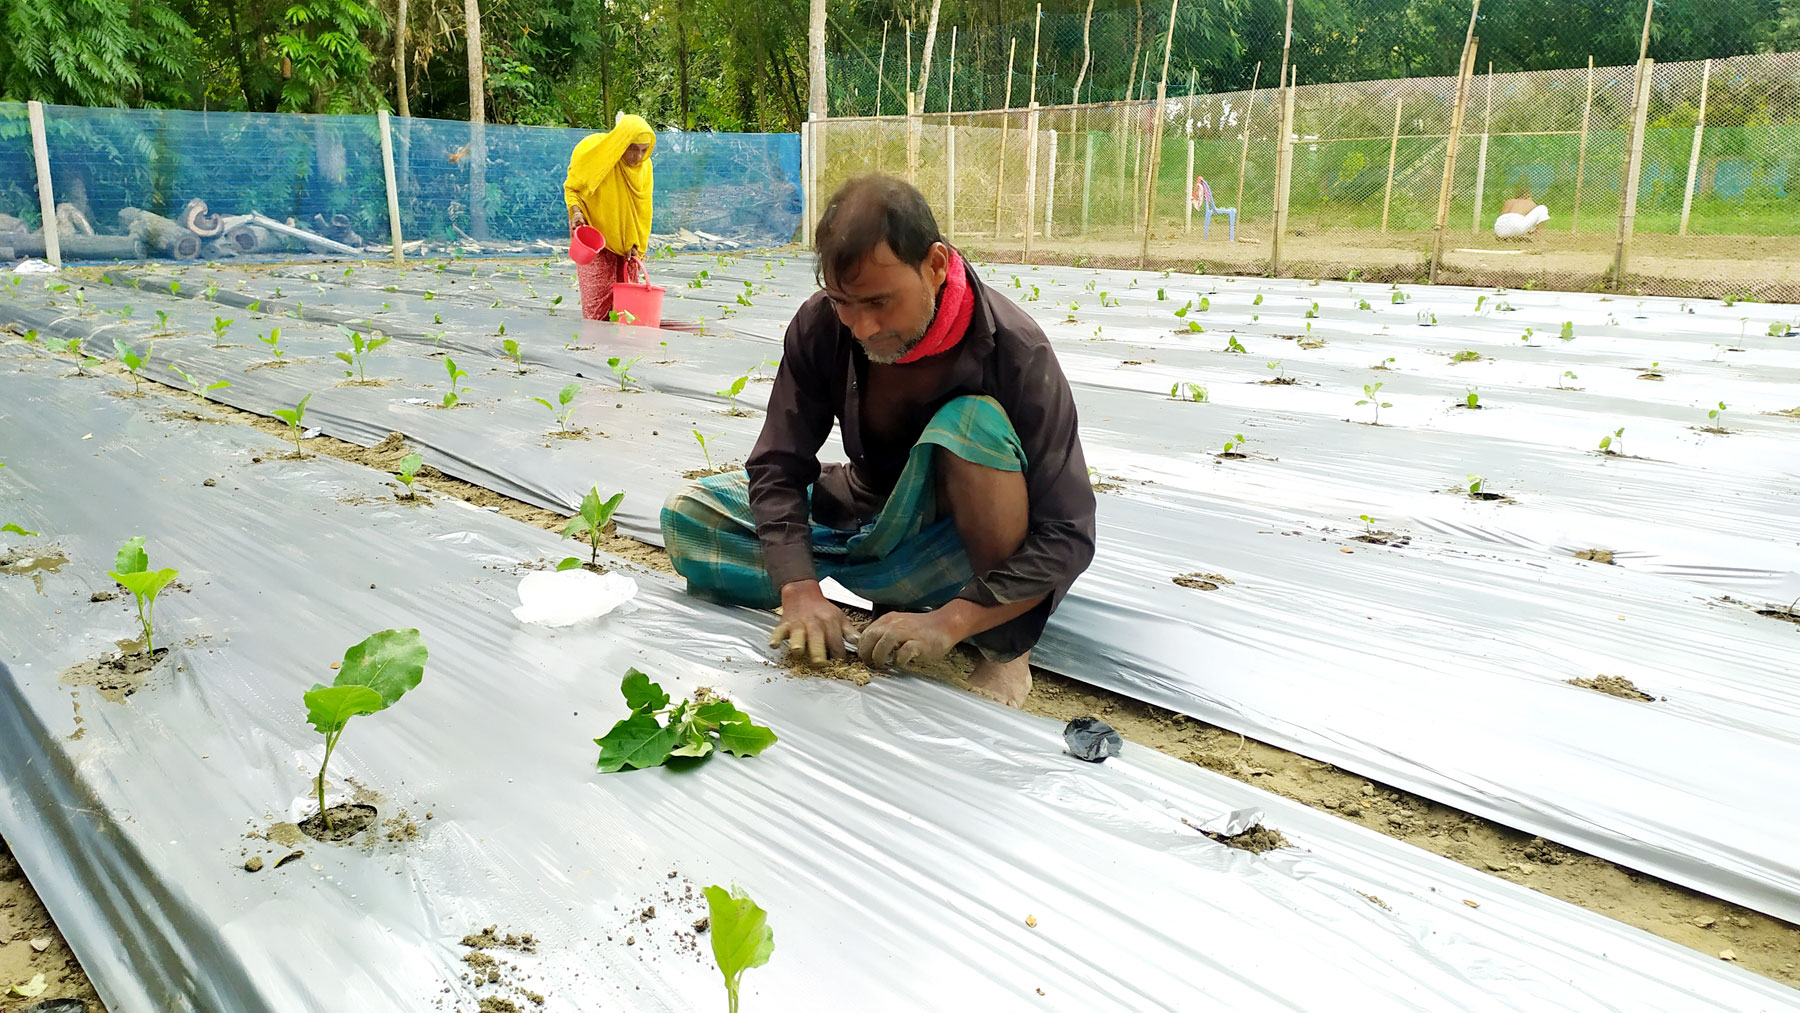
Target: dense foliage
point(709, 64)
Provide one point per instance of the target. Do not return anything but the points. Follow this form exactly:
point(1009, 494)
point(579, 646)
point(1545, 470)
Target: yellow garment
point(614, 196)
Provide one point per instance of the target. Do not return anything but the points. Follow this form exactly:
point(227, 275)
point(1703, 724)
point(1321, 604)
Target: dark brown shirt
point(823, 378)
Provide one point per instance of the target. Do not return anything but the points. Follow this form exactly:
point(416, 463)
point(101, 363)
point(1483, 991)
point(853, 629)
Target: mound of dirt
point(1613, 685)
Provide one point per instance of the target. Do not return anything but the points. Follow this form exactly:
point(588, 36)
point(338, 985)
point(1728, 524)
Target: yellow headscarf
point(614, 196)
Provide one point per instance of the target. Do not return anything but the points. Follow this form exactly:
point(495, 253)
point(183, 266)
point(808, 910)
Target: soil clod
point(347, 820)
point(1596, 555)
point(1201, 581)
point(115, 676)
point(1613, 685)
point(1255, 840)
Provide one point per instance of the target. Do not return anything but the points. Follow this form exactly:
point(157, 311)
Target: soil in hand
point(1613, 685)
point(1201, 581)
point(1255, 840)
point(115, 676)
point(347, 820)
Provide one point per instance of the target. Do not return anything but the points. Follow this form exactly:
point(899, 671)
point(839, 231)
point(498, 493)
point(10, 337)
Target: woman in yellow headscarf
point(609, 187)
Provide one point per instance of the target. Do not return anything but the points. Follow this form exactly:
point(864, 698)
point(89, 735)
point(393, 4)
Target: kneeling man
point(965, 510)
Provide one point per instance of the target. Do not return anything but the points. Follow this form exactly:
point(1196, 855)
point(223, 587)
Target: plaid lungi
point(908, 557)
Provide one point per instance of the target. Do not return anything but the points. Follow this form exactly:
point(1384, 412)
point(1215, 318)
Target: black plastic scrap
point(1092, 739)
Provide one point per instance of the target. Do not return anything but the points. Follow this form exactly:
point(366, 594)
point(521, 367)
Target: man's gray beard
point(905, 348)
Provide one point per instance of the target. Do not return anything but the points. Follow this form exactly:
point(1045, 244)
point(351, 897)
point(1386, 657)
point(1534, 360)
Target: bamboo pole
point(1050, 192)
point(1387, 192)
point(1031, 149)
point(1581, 158)
point(1087, 51)
point(1005, 122)
point(1087, 178)
point(1244, 149)
point(1162, 106)
point(1281, 81)
point(1487, 121)
point(40, 152)
point(1187, 203)
point(950, 143)
point(1037, 28)
point(1687, 195)
point(1465, 70)
point(1634, 165)
point(1284, 169)
point(880, 65)
point(393, 191)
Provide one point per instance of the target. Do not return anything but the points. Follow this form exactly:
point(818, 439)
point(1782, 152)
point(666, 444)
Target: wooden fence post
point(1156, 136)
point(393, 192)
point(1005, 123)
point(1244, 149)
point(1465, 70)
point(1634, 165)
point(1487, 122)
point(1581, 158)
point(1387, 193)
point(1031, 149)
point(1687, 196)
point(950, 144)
point(1284, 166)
point(1050, 192)
point(40, 150)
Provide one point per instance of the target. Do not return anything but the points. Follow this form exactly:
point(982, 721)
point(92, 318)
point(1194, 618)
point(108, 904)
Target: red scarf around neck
point(952, 320)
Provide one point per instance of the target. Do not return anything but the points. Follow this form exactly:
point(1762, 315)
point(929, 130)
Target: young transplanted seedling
point(730, 394)
point(1568, 330)
point(195, 385)
point(131, 568)
point(1472, 399)
point(455, 395)
point(273, 340)
point(564, 406)
point(294, 417)
point(134, 362)
point(1476, 484)
point(513, 353)
point(219, 326)
point(375, 674)
point(591, 521)
point(622, 369)
point(1567, 374)
point(741, 937)
point(1717, 415)
point(1616, 436)
point(409, 473)
point(703, 448)
point(1234, 446)
point(692, 729)
point(1234, 345)
point(1188, 392)
point(359, 350)
point(1372, 396)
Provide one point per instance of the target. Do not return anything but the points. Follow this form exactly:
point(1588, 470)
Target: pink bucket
point(585, 243)
point(639, 298)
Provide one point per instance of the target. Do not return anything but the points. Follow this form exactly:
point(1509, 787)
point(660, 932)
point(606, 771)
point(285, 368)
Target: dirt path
point(1759, 943)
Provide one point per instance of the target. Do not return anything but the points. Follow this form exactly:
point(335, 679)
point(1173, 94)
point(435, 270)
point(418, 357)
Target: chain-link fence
point(1714, 146)
point(163, 183)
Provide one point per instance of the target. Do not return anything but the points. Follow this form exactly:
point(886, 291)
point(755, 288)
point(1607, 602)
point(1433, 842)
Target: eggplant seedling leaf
point(741, 738)
point(132, 558)
point(639, 741)
point(741, 937)
point(568, 563)
point(9, 528)
point(642, 695)
point(390, 663)
point(329, 708)
point(656, 731)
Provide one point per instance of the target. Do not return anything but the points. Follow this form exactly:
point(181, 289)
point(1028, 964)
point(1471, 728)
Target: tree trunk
point(477, 123)
point(159, 233)
point(1136, 48)
point(815, 61)
point(681, 63)
point(400, 27)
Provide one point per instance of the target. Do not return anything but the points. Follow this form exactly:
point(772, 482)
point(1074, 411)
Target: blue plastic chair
point(1201, 199)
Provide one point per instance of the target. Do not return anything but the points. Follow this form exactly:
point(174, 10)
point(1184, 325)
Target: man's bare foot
point(1008, 682)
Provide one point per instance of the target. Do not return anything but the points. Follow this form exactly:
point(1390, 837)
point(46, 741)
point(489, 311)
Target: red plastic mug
point(585, 243)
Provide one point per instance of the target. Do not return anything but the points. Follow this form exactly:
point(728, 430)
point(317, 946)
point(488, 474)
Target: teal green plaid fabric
point(909, 557)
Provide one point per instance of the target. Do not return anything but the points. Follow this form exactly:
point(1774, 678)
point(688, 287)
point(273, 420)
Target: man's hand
point(902, 638)
point(810, 623)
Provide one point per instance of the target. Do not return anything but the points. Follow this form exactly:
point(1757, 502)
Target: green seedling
point(1779, 329)
point(694, 729)
point(1016, 282)
point(1363, 304)
point(592, 520)
point(30, 337)
point(1372, 396)
point(1476, 484)
point(9, 528)
point(1717, 415)
point(131, 569)
point(437, 318)
point(741, 937)
point(730, 394)
point(212, 289)
point(1312, 312)
point(565, 404)
point(1479, 300)
point(132, 360)
point(1107, 300)
point(1530, 332)
point(1191, 392)
point(359, 350)
point(455, 396)
point(1398, 297)
point(1203, 305)
point(1162, 295)
point(409, 472)
point(174, 288)
point(512, 352)
point(1368, 523)
point(375, 674)
point(495, 305)
point(1426, 318)
point(1466, 355)
point(273, 340)
point(294, 417)
point(1568, 330)
point(1617, 436)
point(502, 331)
point(703, 446)
point(80, 298)
point(1280, 372)
point(195, 385)
point(1567, 374)
point(1257, 301)
point(568, 563)
point(1383, 364)
point(1183, 311)
point(82, 358)
point(1035, 295)
point(1472, 399)
point(622, 369)
point(1195, 328)
point(1235, 445)
point(1233, 345)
